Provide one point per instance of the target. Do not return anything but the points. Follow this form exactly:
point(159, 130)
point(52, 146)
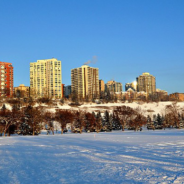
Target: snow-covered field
point(114, 157)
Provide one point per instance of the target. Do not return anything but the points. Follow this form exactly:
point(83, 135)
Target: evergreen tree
point(3, 107)
point(116, 125)
point(159, 119)
point(87, 122)
point(107, 125)
point(99, 115)
point(98, 122)
point(179, 116)
point(110, 122)
point(93, 113)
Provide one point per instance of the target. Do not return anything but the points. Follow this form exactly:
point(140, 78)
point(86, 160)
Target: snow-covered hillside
point(115, 157)
point(147, 108)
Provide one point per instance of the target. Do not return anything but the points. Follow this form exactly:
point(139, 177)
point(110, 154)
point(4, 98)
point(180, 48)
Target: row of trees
point(173, 117)
point(103, 97)
point(107, 96)
point(31, 120)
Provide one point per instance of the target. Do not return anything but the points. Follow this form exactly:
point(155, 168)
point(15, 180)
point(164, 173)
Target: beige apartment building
point(101, 86)
point(46, 79)
point(22, 91)
point(147, 83)
point(85, 81)
point(113, 86)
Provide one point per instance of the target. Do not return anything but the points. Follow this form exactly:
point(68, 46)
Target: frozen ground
point(117, 157)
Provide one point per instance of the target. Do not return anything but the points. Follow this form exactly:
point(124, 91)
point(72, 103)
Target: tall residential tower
point(45, 78)
point(6, 79)
point(113, 86)
point(85, 81)
point(101, 86)
point(146, 82)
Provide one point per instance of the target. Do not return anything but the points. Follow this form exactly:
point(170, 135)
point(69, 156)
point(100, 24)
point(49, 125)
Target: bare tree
point(90, 122)
point(63, 117)
point(10, 119)
point(137, 122)
point(79, 122)
point(35, 117)
point(138, 119)
point(49, 117)
point(123, 114)
point(172, 114)
point(44, 100)
point(74, 97)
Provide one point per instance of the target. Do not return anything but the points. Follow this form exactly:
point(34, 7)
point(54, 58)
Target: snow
point(156, 108)
point(113, 157)
point(8, 106)
point(150, 109)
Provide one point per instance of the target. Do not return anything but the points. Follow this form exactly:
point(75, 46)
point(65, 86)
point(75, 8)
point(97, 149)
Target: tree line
point(30, 120)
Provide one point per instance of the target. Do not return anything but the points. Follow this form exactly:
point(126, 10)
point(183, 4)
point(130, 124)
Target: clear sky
point(128, 37)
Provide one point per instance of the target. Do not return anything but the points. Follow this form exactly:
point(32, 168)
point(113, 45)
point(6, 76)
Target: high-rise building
point(6, 79)
point(147, 83)
point(101, 86)
point(132, 86)
point(85, 81)
point(67, 91)
point(113, 86)
point(46, 79)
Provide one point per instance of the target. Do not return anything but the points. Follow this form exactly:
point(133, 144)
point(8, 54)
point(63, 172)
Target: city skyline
point(127, 38)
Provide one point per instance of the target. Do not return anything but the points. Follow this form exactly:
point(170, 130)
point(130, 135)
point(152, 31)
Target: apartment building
point(132, 86)
point(46, 79)
point(147, 83)
point(22, 91)
point(177, 97)
point(85, 81)
point(113, 86)
point(101, 86)
point(67, 91)
point(6, 79)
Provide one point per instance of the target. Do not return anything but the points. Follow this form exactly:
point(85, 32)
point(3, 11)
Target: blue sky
point(128, 37)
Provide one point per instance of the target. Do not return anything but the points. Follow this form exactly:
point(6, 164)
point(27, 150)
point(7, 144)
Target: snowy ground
point(114, 157)
point(145, 107)
point(150, 109)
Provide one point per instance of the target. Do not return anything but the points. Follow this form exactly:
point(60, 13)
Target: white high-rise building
point(46, 79)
